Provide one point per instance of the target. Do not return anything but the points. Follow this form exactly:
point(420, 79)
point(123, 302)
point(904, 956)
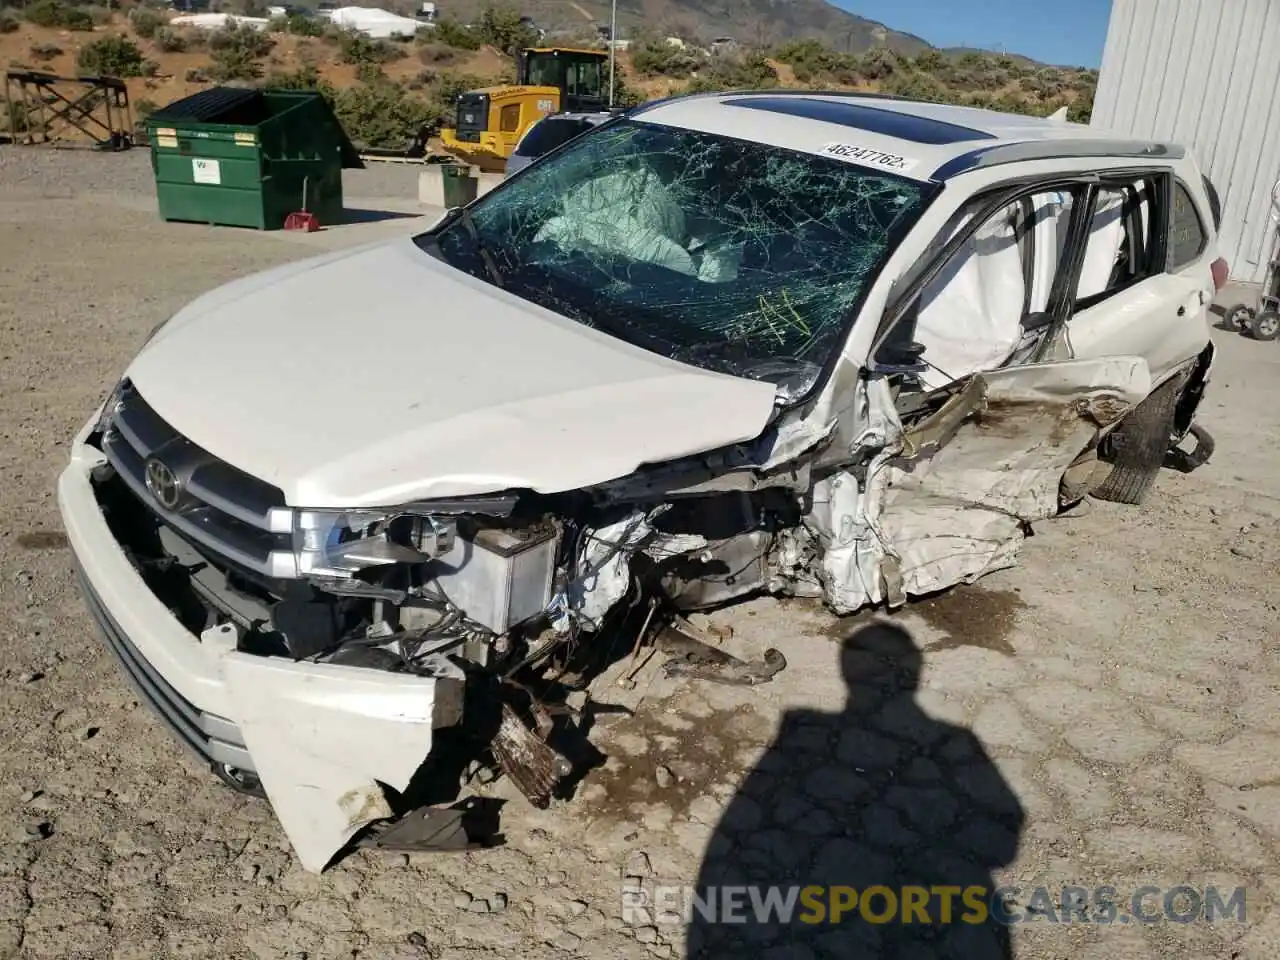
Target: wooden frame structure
point(41, 108)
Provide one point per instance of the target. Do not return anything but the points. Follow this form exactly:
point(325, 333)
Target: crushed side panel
point(946, 500)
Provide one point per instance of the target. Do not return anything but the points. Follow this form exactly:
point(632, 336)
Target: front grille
point(473, 116)
point(236, 517)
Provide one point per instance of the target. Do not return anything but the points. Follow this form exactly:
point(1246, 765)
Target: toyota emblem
point(163, 484)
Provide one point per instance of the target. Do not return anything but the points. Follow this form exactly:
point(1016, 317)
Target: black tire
point(1136, 448)
point(1238, 317)
point(1265, 326)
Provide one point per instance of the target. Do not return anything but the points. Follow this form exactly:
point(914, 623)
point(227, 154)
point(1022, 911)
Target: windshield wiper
point(464, 217)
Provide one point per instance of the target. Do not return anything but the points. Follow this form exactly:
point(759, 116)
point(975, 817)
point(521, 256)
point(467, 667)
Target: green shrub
point(810, 60)
point(384, 114)
point(500, 26)
point(359, 48)
point(45, 52)
point(434, 54)
point(877, 64)
point(748, 72)
point(55, 13)
point(1081, 109)
point(233, 63)
point(623, 95)
point(917, 86)
point(169, 40)
point(241, 38)
point(44, 13)
point(298, 24)
point(197, 75)
point(8, 23)
point(145, 108)
point(114, 57)
point(453, 34)
point(236, 50)
point(446, 86)
point(146, 22)
point(305, 77)
point(657, 58)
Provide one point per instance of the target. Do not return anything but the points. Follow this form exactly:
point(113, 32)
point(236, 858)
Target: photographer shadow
point(880, 795)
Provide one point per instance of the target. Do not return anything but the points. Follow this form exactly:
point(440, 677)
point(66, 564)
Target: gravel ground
point(66, 173)
point(1103, 714)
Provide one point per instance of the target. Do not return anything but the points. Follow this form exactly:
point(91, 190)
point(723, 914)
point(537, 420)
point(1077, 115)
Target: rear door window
point(1121, 248)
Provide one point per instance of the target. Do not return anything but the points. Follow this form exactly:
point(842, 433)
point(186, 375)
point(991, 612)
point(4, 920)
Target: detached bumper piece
point(470, 824)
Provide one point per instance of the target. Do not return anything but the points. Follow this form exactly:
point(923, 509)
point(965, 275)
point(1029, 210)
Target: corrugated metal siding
point(1205, 73)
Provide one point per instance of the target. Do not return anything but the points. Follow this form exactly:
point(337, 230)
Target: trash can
point(241, 157)
point(459, 185)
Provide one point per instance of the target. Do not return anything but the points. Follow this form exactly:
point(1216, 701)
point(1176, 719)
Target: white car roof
point(923, 141)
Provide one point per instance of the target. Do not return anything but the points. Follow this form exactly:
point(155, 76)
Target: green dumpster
point(459, 187)
point(244, 157)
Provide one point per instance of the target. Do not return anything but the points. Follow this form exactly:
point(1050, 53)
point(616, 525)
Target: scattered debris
point(696, 659)
point(43, 540)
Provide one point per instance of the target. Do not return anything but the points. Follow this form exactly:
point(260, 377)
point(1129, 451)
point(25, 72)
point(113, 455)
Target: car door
point(1144, 280)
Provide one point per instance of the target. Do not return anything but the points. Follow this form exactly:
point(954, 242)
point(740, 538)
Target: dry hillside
point(756, 22)
point(385, 92)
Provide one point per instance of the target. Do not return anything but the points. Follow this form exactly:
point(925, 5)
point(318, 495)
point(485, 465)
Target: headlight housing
point(109, 407)
point(342, 542)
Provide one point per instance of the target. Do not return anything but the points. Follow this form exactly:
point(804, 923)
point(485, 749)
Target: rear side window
point(545, 136)
point(1187, 237)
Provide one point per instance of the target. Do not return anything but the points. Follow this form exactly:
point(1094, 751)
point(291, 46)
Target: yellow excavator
point(490, 122)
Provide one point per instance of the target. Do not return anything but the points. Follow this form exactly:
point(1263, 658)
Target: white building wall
point(1204, 73)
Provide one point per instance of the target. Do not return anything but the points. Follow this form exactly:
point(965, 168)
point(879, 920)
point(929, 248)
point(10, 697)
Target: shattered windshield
point(725, 254)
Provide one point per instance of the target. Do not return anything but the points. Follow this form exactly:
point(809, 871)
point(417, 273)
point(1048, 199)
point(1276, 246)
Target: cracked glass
point(721, 253)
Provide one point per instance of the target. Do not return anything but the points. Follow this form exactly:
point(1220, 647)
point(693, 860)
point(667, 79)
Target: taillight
point(1221, 273)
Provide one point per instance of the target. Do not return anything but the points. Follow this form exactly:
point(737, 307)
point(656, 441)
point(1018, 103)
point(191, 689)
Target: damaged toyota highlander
point(336, 512)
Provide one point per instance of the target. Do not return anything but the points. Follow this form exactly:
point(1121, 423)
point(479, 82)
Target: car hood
point(381, 375)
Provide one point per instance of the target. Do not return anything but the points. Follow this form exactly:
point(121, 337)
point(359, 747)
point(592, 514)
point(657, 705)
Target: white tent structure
point(217, 21)
point(379, 24)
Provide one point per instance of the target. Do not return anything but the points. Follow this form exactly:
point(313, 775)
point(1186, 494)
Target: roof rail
point(1055, 149)
point(781, 91)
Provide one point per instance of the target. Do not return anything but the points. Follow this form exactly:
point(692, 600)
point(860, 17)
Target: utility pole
point(613, 48)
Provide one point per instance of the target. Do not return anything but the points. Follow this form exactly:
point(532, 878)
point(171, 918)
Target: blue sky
point(1053, 31)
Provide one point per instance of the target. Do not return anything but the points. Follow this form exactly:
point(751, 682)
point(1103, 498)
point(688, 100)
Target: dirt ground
point(1105, 713)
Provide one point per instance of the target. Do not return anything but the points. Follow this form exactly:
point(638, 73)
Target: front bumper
point(321, 737)
point(214, 739)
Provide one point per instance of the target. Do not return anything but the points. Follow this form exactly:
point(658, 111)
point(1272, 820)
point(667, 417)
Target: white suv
point(821, 345)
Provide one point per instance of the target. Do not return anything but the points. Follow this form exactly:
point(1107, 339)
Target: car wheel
point(1137, 447)
point(1238, 317)
point(1265, 326)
